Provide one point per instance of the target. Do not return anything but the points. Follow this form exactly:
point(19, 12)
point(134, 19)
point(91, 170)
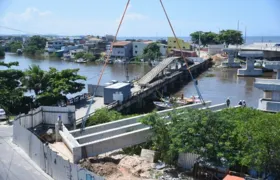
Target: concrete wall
point(187, 160)
point(99, 92)
point(47, 115)
point(46, 159)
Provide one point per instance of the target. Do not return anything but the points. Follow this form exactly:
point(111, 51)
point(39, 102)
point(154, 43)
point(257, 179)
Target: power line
point(14, 29)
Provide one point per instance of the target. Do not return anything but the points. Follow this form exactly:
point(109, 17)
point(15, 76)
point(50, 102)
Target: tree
point(61, 83)
point(89, 57)
point(231, 37)
point(152, 51)
point(11, 92)
point(103, 115)
point(79, 55)
point(35, 44)
point(231, 137)
point(206, 38)
point(36, 79)
point(2, 53)
point(14, 46)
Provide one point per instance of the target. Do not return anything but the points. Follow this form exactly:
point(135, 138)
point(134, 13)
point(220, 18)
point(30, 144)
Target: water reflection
point(224, 84)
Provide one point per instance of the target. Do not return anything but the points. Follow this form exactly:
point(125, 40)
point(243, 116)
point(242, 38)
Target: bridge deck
point(156, 70)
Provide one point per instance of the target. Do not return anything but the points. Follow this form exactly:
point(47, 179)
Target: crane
point(111, 48)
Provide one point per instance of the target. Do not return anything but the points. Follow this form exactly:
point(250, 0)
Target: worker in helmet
point(228, 102)
point(240, 103)
point(244, 103)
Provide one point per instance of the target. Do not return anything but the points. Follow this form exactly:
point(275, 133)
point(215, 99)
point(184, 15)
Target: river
point(223, 83)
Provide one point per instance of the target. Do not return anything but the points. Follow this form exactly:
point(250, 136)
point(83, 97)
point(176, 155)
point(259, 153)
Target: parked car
point(2, 114)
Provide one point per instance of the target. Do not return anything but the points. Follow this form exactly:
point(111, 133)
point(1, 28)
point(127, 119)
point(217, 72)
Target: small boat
point(162, 105)
point(81, 60)
point(19, 51)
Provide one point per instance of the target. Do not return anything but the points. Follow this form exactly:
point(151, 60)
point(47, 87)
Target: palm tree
point(35, 79)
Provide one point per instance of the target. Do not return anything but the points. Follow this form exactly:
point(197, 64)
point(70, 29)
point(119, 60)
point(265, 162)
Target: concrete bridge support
point(230, 62)
point(249, 70)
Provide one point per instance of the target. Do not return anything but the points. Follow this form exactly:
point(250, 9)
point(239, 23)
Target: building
point(163, 49)
point(215, 49)
point(122, 50)
point(172, 44)
point(177, 52)
point(139, 46)
point(54, 45)
point(72, 53)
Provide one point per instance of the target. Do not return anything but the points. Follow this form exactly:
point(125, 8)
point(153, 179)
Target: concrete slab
point(98, 103)
point(62, 150)
point(250, 72)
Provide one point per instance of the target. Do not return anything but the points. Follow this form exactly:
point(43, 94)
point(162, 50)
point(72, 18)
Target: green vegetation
point(11, 91)
point(49, 86)
point(2, 53)
point(104, 115)
point(224, 36)
point(53, 85)
point(151, 52)
point(210, 75)
point(87, 56)
point(14, 46)
point(231, 137)
point(35, 45)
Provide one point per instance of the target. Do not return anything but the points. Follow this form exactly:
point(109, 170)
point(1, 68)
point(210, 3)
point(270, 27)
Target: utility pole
point(238, 25)
point(245, 39)
point(199, 42)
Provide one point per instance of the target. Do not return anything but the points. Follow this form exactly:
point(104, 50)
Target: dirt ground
point(121, 167)
point(125, 167)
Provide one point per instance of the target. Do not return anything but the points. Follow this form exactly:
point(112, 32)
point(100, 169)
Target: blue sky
point(144, 17)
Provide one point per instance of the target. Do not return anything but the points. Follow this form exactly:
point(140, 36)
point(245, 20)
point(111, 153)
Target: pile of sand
point(119, 167)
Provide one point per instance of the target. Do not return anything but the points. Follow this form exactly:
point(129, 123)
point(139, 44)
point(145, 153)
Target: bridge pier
point(250, 70)
point(230, 62)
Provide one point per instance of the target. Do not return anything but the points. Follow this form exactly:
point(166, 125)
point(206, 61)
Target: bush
point(2, 52)
point(103, 116)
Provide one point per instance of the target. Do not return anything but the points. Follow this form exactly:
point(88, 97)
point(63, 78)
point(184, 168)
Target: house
point(163, 49)
point(54, 45)
point(74, 52)
point(172, 44)
point(96, 48)
point(139, 46)
point(122, 50)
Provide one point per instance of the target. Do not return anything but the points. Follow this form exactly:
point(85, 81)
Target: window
point(136, 52)
point(169, 47)
point(174, 47)
point(184, 47)
point(136, 46)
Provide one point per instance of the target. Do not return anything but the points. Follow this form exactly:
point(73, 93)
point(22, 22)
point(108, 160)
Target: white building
point(163, 49)
point(215, 49)
point(74, 52)
point(54, 45)
point(138, 47)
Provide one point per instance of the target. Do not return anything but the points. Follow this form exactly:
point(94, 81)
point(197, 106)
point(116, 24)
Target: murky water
point(225, 83)
point(90, 70)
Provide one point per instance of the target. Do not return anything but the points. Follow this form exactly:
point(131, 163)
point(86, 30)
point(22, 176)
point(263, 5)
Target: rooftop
point(121, 43)
point(117, 85)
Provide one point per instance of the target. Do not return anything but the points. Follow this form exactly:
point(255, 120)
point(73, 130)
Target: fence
point(48, 160)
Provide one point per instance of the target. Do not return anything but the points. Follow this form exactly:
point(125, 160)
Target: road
point(14, 162)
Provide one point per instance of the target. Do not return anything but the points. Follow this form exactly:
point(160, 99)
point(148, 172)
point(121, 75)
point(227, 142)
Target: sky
point(144, 18)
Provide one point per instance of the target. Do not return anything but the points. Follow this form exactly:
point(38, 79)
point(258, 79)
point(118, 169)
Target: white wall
point(138, 48)
point(163, 49)
point(215, 49)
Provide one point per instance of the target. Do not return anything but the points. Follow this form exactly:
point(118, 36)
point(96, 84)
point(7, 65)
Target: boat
point(167, 103)
point(81, 60)
point(162, 105)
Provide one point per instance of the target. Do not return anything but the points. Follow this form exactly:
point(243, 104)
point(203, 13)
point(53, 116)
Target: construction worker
point(244, 103)
point(228, 102)
point(182, 97)
point(240, 103)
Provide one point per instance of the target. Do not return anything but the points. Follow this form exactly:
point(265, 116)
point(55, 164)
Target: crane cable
point(182, 54)
point(105, 65)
